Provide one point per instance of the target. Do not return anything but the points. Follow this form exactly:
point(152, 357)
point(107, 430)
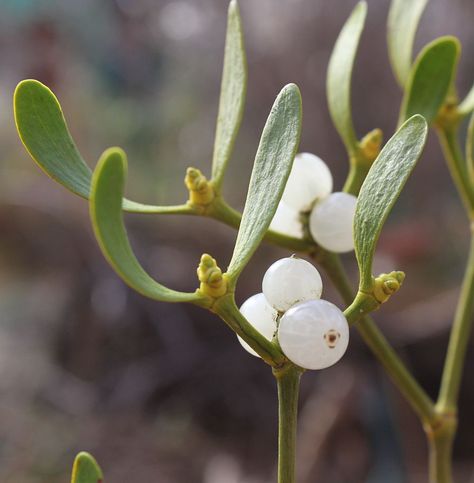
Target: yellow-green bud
point(371, 143)
point(213, 283)
point(200, 189)
point(387, 284)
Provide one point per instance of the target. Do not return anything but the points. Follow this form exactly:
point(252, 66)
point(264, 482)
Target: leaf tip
point(234, 10)
point(292, 90)
point(86, 466)
point(25, 87)
point(28, 84)
point(362, 7)
point(418, 119)
point(113, 158)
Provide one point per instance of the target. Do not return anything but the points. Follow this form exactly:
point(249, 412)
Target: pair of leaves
point(272, 166)
point(428, 81)
point(44, 132)
point(382, 187)
point(86, 469)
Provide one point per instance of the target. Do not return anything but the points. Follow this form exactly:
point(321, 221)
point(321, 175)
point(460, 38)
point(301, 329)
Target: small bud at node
point(200, 189)
point(210, 275)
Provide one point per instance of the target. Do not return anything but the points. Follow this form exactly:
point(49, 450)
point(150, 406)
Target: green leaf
point(86, 469)
point(467, 105)
point(232, 99)
point(403, 19)
point(43, 131)
point(273, 161)
point(338, 82)
point(107, 219)
point(381, 188)
point(430, 79)
point(470, 150)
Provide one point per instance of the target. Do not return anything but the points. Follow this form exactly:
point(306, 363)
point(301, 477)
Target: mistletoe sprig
point(376, 175)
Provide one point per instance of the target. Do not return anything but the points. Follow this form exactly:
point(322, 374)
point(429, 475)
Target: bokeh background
point(164, 393)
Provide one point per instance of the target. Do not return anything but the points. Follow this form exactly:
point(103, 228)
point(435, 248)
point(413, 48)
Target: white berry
point(286, 220)
point(314, 334)
point(290, 281)
point(309, 180)
point(261, 315)
point(331, 222)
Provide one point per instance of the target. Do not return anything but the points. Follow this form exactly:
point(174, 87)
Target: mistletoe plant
point(289, 326)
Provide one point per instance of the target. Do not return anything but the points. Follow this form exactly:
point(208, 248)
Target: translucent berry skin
point(261, 315)
point(314, 334)
point(309, 180)
point(331, 222)
point(286, 221)
point(290, 281)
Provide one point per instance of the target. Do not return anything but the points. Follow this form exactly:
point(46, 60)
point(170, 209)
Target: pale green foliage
point(338, 82)
point(232, 99)
point(467, 105)
point(430, 79)
point(403, 19)
point(273, 161)
point(86, 469)
point(107, 219)
point(381, 188)
point(429, 91)
point(43, 131)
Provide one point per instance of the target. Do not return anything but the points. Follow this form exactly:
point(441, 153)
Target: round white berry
point(261, 315)
point(331, 222)
point(314, 334)
point(309, 180)
point(286, 220)
point(290, 281)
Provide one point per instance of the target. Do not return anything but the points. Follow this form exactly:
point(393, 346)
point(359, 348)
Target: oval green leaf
point(403, 19)
point(86, 469)
point(45, 135)
point(338, 81)
point(430, 79)
point(232, 98)
point(107, 219)
point(470, 150)
point(381, 188)
point(273, 161)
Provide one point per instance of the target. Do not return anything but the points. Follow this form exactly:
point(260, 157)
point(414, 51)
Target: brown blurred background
point(164, 393)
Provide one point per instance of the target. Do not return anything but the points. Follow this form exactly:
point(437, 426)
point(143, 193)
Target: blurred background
point(164, 393)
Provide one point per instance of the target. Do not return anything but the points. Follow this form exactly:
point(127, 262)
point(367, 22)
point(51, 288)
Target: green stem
point(459, 340)
point(440, 440)
point(355, 178)
point(401, 376)
point(288, 383)
point(449, 141)
point(228, 311)
point(221, 211)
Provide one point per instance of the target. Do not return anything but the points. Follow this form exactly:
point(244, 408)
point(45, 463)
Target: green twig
point(288, 382)
point(401, 376)
point(458, 341)
point(440, 439)
point(449, 141)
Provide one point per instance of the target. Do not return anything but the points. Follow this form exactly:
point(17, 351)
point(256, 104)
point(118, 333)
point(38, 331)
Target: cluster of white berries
point(312, 333)
point(309, 190)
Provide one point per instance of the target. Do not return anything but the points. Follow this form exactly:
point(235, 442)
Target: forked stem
point(396, 369)
point(440, 445)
